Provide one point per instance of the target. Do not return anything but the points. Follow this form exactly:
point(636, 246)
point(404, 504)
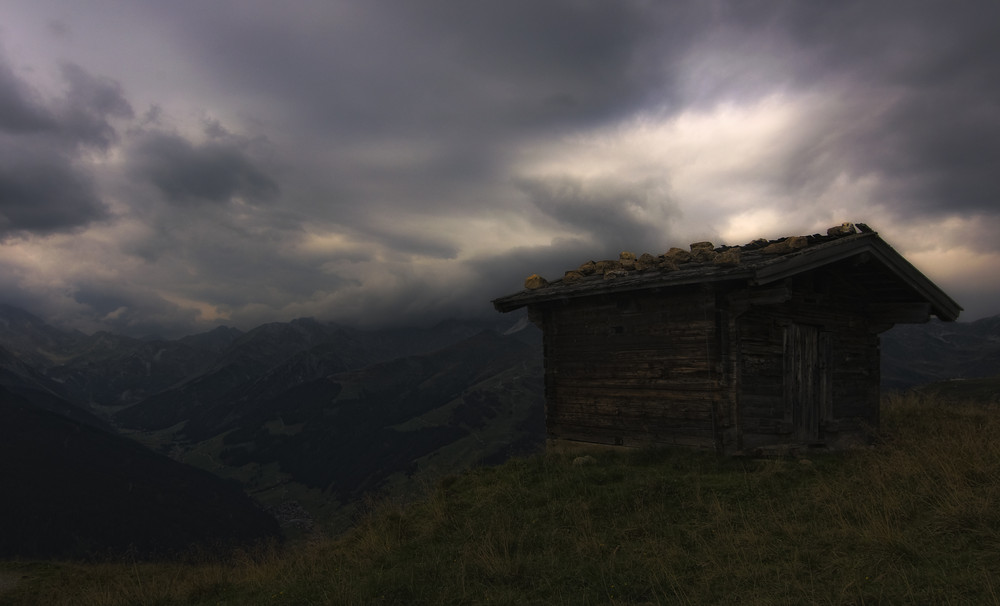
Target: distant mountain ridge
point(320, 413)
point(330, 409)
point(113, 370)
point(917, 354)
point(32, 339)
point(20, 379)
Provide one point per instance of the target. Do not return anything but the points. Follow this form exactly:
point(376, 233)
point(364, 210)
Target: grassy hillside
point(914, 519)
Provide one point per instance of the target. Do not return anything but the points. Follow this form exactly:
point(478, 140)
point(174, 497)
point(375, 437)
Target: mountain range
point(919, 354)
point(310, 418)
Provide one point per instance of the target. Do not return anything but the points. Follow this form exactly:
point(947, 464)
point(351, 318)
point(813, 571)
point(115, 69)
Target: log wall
point(717, 366)
point(817, 346)
point(635, 369)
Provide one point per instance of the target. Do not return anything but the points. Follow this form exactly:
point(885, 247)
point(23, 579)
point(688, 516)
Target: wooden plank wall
point(849, 350)
point(634, 369)
point(710, 368)
point(761, 374)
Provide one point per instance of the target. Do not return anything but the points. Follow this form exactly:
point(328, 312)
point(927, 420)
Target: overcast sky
point(170, 165)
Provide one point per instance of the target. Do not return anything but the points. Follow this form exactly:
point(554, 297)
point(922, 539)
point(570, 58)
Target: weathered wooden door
point(806, 379)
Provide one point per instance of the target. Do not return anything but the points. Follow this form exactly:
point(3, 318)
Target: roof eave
point(544, 295)
point(785, 266)
point(942, 306)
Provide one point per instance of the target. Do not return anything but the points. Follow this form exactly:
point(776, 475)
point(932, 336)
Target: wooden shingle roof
point(886, 275)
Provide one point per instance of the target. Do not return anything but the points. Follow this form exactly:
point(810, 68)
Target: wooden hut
point(769, 345)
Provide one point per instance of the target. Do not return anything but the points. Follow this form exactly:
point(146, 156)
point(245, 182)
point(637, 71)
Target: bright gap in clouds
point(724, 168)
point(735, 172)
point(206, 312)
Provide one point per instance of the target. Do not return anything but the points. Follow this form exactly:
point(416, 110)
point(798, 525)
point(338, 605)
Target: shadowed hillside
point(71, 490)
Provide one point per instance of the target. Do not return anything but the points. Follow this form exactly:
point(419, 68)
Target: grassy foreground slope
point(915, 519)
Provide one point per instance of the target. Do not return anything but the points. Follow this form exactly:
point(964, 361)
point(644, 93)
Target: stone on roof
point(699, 253)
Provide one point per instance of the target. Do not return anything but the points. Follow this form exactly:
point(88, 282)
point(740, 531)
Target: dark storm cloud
point(462, 83)
point(452, 69)
point(922, 78)
point(214, 171)
point(89, 105)
point(947, 151)
point(19, 112)
point(42, 192)
point(82, 115)
point(613, 214)
point(41, 188)
point(403, 243)
point(552, 63)
point(504, 273)
point(422, 158)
